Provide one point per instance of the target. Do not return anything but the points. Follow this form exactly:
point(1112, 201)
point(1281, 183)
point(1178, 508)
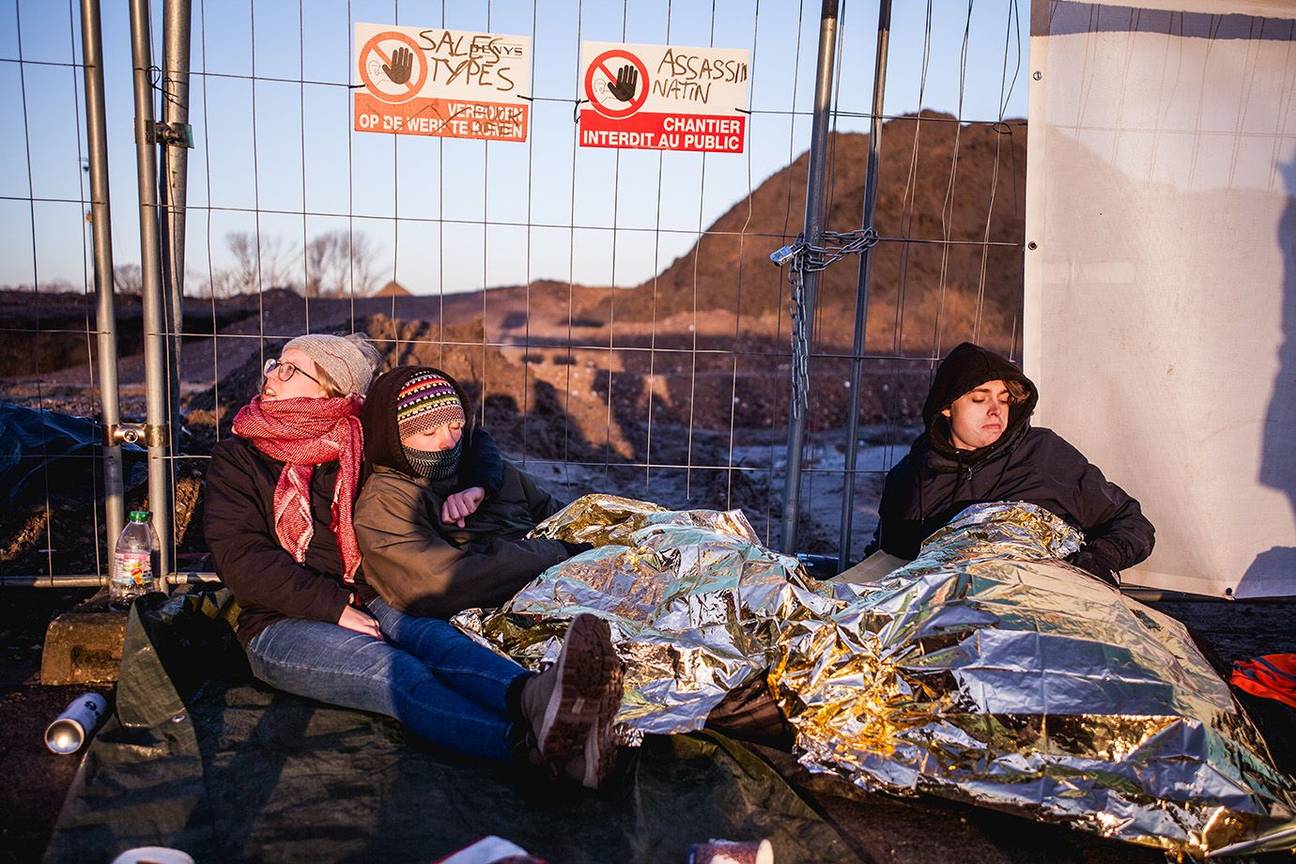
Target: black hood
point(965, 368)
point(382, 441)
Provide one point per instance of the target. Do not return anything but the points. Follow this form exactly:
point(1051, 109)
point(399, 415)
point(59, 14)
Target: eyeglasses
point(284, 371)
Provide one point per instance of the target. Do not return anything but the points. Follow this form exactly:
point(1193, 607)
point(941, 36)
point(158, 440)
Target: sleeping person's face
point(442, 437)
point(979, 416)
point(292, 376)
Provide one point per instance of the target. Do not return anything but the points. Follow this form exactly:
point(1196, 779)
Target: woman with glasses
point(278, 519)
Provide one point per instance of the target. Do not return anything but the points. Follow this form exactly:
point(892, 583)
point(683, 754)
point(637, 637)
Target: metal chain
point(813, 258)
point(800, 341)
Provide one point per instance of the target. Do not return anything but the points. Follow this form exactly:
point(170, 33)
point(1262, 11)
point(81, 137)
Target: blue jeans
point(446, 688)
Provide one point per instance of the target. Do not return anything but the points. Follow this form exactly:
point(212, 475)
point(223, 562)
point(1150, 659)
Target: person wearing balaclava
point(979, 446)
point(424, 553)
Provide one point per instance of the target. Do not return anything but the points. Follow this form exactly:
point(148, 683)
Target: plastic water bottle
point(132, 572)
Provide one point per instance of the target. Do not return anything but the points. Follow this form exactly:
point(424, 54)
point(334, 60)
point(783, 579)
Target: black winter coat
point(239, 526)
point(936, 481)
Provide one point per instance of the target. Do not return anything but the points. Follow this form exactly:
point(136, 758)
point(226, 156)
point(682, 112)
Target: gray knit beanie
point(350, 361)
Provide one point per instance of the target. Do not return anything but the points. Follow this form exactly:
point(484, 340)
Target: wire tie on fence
point(158, 82)
point(809, 257)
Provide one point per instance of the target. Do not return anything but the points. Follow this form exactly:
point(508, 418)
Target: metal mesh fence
point(53, 492)
point(612, 313)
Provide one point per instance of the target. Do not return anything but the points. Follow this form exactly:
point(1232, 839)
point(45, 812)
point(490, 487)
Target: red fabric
point(303, 433)
point(1272, 676)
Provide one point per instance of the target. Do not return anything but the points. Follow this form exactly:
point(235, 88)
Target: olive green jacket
point(423, 566)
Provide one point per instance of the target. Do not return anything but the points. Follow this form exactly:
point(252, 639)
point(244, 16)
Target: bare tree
point(215, 283)
point(128, 279)
point(257, 265)
point(338, 262)
point(242, 276)
point(334, 262)
point(325, 261)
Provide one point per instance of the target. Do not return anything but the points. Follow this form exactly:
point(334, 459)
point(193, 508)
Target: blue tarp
point(39, 447)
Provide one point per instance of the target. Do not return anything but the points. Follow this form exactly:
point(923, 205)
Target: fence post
point(101, 228)
point(158, 426)
point(816, 198)
point(173, 185)
point(862, 283)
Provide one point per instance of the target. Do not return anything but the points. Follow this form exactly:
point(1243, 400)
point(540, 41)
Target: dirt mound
point(49, 331)
point(530, 406)
point(939, 179)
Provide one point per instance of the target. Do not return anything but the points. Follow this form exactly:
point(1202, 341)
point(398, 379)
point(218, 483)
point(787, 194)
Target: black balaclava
point(434, 464)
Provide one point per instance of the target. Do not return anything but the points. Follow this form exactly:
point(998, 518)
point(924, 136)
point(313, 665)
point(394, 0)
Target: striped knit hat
point(425, 402)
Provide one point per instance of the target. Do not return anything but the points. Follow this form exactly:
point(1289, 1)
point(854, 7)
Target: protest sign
point(444, 83)
point(664, 97)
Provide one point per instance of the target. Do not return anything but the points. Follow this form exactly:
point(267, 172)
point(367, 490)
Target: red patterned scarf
point(303, 433)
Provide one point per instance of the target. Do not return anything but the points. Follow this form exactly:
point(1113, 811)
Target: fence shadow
point(1277, 566)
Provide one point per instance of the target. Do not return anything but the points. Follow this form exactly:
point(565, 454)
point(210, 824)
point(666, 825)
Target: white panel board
point(1257, 8)
point(1160, 318)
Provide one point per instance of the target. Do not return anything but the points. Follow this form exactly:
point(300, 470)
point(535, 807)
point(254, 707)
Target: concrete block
point(84, 646)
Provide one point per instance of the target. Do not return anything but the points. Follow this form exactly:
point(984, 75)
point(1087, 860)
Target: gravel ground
point(36, 780)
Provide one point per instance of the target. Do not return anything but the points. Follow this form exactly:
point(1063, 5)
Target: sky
point(279, 156)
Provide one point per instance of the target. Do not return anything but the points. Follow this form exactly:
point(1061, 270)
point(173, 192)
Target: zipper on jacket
point(964, 479)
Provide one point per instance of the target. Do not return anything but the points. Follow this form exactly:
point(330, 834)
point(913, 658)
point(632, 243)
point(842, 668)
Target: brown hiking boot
point(597, 757)
point(570, 705)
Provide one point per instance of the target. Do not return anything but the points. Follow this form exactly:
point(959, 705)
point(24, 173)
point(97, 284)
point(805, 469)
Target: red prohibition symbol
point(411, 87)
point(603, 63)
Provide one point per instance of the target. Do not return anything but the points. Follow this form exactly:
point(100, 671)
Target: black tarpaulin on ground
point(199, 756)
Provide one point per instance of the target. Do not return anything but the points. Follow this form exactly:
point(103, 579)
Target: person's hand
point(360, 622)
point(461, 505)
point(402, 64)
point(1095, 566)
point(626, 84)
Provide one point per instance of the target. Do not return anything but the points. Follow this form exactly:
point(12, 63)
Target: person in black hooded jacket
point(979, 446)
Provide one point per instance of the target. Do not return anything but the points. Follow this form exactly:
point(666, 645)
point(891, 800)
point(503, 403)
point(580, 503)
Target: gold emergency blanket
point(695, 603)
point(988, 670)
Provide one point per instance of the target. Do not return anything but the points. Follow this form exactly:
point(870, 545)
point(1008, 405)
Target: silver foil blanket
point(696, 605)
point(987, 670)
point(990, 671)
